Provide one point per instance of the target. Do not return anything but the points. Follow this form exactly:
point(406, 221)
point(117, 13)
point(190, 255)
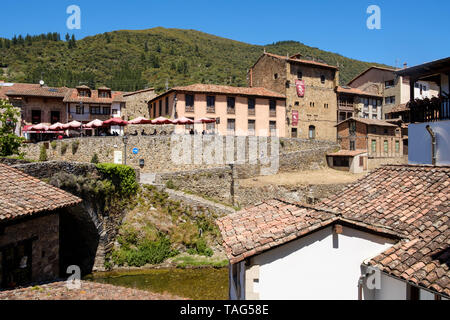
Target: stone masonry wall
point(44, 231)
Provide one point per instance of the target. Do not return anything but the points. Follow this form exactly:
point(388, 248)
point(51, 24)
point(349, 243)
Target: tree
point(67, 37)
point(9, 142)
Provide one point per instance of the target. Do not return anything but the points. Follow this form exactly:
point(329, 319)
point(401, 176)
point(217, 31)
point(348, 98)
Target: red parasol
point(115, 122)
point(140, 120)
point(162, 120)
point(183, 120)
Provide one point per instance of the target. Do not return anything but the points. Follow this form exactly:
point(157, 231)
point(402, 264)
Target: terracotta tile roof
point(72, 97)
point(48, 92)
point(371, 122)
point(302, 61)
point(22, 195)
point(356, 91)
point(370, 68)
point(219, 89)
point(414, 200)
point(403, 202)
point(5, 87)
point(267, 225)
point(347, 153)
point(399, 108)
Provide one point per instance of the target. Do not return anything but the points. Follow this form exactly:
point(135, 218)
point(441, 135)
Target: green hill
point(131, 60)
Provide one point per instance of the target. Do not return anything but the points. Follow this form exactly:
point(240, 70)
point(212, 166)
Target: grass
point(197, 261)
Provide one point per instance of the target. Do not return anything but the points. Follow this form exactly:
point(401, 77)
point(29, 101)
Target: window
point(352, 145)
point(84, 93)
point(322, 79)
point(251, 106)
point(96, 110)
point(160, 107)
point(361, 161)
point(294, 133)
point(36, 116)
point(211, 104)
point(231, 103)
point(275, 76)
point(273, 128)
point(299, 75)
point(373, 129)
point(386, 146)
point(107, 111)
point(374, 146)
point(374, 116)
point(104, 94)
point(55, 116)
point(167, 105)
point(397, 146)
point(297, 103)
point(190, 101)
point(389, 84)
point(231, 126)
point(80, 109)
point(273, 107)
point(312, 132)
point(325, 105)
point(16, 264)
point(390, 100)
point(251, 127)
point(311, 104)
point(352, 127)
point(115, 111)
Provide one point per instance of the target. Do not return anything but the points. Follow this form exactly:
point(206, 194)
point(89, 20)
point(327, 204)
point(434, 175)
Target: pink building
point(239, 111)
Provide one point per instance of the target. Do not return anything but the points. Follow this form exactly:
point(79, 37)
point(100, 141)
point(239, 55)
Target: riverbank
point(88, 291)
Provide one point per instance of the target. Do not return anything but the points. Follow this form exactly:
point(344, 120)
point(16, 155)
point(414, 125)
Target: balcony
point(211, 109)
point(231, 111)
point(251, 112)
point(429, 110)
point(346, 106)
point(272, 113)
point(189, 109)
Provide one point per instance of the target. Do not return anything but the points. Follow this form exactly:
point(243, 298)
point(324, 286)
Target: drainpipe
point(360, 287)
point(433, 145)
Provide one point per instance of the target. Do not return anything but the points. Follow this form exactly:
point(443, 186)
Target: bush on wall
point(43, 154)
point(123, 178)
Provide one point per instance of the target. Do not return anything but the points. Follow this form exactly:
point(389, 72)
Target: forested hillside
point(132, 60)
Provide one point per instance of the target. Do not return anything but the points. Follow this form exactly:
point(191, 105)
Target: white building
point(365, 243)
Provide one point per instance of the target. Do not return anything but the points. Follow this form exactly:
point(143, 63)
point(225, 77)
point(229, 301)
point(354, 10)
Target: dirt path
point(316, 177)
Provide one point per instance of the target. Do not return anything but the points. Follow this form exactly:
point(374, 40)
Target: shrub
point(94, 159)
point(43, 154)
point(63, 148)
point(170, 185)
point(54, 145)
point(75, 146)
point(123, 177)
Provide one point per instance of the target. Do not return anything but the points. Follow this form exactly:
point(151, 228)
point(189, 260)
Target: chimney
point(405, 65)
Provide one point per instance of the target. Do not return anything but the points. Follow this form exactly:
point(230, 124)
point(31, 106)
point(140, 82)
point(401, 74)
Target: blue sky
point(412, 31)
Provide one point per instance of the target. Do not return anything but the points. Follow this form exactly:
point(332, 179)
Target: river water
point(196, 284)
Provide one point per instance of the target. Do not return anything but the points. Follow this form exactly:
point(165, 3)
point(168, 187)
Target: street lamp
point(125, 142)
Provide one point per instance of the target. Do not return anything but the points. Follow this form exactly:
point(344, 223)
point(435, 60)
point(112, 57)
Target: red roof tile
point(356, 91)
point(48, 92)
point(5, 87)
point(371, 122)
point(302, 61)
point(22, 195)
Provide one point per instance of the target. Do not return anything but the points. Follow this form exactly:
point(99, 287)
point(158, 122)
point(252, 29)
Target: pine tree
point(14, 40)
point(67, 37)
point(146, 46)
point(1, 43)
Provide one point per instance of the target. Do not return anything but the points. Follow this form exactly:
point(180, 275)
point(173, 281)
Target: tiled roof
point(219, 89)
point(371, 122)
point(399, 108)
point(347, 153)
point(72, 97)
point(48, 92)
point(404, 202)
point(410, 199)
point(303, 61)
point(370, 68)
point(22, 195)
point(266, 225)
point(5, 87)
point(356, 91)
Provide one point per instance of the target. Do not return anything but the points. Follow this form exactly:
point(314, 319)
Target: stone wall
point(156, 151)
point(44, 233)
point(45, 170)
point(12, 162)
point(136, 104)
point(375, 163)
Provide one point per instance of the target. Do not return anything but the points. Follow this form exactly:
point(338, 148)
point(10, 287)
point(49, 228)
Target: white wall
point(390, 289)
point(319, 266)
point(420, 143)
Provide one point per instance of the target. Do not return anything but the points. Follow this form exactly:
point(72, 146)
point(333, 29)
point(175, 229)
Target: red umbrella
point(183, 120)
point(115, 122)
point(140, 120)
point(205, 120)
point(94, 124)
point(162, 120)
point(72, 125)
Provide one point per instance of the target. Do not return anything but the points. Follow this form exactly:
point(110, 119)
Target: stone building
point(135, 104)
point(379, 138)
point(238, 111)
point(309, 87)
point(29, 228)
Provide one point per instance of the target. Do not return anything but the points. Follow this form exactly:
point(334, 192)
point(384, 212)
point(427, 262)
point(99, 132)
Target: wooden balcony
point(189, 109)
point(429, 110)
point(211, 109)
point(251, 112)
point(272, 113)
point(231, 111)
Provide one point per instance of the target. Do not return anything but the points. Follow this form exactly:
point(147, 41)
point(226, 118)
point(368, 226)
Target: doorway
point(15, 264)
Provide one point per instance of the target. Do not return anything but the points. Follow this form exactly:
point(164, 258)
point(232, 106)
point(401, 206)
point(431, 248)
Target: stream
point(195, 284)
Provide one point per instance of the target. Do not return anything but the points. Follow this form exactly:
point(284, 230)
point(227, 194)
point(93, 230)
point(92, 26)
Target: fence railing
point(428, 110)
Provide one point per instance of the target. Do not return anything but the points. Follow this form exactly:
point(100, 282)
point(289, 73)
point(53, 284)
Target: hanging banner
point(300, 85)
point(294, 118)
